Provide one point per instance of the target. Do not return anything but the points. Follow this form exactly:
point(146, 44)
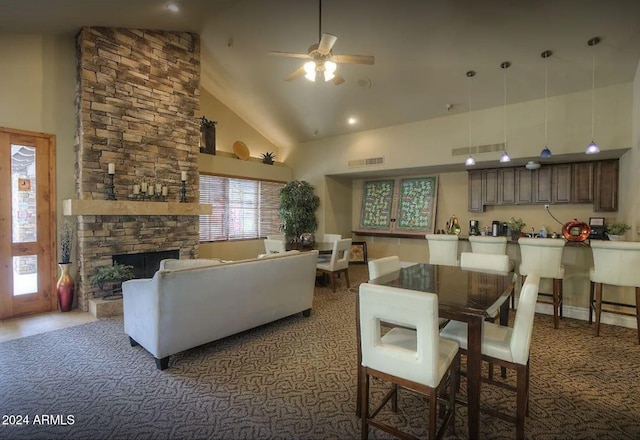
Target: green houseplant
point(298, 204)
point(616, 230)
point(515, 226)
point(268, 158)
point(110, 278)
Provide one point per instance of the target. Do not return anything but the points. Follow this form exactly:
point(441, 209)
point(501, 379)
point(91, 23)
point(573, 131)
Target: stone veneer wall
point(137, 96)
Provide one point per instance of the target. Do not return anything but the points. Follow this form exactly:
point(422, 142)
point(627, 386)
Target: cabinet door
point(475, 191)
point(542, 185)
point(506, 186)
point(606, 186)
point(561, 183)
point(582, 182)
point(490, 187)
point(524, 186)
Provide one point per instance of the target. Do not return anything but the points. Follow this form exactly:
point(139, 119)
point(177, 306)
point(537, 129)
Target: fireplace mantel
point(122, 207)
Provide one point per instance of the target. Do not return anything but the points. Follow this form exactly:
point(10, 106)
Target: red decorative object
point(576, 230)
point(65, 288)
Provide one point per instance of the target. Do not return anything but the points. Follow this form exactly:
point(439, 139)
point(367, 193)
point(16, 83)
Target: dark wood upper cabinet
point(542, 185)
point(561, 183)
point(582, 182)
point(606, 185)
point(490, 187)
point(475, 191)
point(524, 186)
point(506, 186)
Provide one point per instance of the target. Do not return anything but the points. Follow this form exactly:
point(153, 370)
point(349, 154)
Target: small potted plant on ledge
point(109, 279)
point(268, 158)
point(515, 226)
point(616, 231)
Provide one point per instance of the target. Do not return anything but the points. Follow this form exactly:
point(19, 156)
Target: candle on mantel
point(144, 187)
point(150, 190)
point(165, 191)
point(158, 188)
point(136, 189)
point(112, 168)
point(183, 176)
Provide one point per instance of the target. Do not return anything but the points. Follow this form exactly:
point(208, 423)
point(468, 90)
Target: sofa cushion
point(173, 264)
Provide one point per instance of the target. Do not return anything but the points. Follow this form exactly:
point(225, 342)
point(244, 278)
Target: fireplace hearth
point(145, 264)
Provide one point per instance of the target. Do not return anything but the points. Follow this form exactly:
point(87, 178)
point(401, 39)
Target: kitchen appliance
point(474, 227)
point(598, 228)
point(495, 228)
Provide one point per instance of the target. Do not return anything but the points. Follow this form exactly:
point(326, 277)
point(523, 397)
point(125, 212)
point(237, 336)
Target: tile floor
point(31, 325)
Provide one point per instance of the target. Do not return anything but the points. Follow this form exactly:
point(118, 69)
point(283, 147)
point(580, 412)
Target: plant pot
point(616, 237)
point(65, 288)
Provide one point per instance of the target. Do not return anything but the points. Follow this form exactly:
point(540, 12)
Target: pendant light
point(470, 160)
point(593, 147)
point(546, 152)
point(505, 156)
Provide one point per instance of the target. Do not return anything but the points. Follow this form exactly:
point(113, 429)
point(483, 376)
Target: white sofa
point(185, 307)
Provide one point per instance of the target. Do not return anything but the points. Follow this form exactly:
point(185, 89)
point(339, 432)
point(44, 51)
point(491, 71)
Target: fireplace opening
point(145, 264)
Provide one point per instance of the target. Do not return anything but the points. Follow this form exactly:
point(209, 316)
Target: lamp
point(329, 70)
point(310, 70)
point(546, 152)
point(470, 160)
point(593, 147)
point(505, 156)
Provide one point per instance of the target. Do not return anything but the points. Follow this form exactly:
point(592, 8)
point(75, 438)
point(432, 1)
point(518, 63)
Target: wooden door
point(27, 223)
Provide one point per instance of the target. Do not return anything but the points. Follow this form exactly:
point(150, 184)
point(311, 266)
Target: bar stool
point(443, 249)
point(544, 257)
point(491, 245)
point(618, 264)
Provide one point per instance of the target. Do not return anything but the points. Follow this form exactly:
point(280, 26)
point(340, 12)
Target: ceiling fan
point(322, 62)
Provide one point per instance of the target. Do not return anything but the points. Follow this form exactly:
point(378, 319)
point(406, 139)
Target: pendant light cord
point(546, 90)
point(319, 20)
point(593, 93)
point(505, 66)
point(469, 114)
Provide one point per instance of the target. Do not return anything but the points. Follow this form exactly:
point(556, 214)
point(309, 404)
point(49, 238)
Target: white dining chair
point(508, 347)
point(616, 263)
point(273, 247)
point(485, 244)
point(383, 266)
point(338, 262)
point(328, 238)
point(280, 237)
point(418, 360)
point(443, 249)
point(544, 257)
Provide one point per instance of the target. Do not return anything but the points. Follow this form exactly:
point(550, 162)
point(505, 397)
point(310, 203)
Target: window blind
point(241, 208)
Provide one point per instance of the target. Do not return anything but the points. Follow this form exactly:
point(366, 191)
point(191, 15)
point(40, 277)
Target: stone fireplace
point(137, 97)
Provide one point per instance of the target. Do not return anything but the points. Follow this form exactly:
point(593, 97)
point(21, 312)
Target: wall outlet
point(546, 207)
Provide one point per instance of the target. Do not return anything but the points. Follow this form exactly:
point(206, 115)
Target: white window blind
point(242, 208)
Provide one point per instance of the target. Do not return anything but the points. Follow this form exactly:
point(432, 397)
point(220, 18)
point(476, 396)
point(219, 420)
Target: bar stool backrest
point(616, 263)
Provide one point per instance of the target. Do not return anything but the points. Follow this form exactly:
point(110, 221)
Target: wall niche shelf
point(122, 207)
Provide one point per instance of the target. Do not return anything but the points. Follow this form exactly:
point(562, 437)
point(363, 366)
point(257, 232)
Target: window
point(242, 208)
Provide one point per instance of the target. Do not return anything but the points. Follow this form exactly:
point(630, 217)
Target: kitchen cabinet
point(582, 182)
point(561, 183)
point(606, 185)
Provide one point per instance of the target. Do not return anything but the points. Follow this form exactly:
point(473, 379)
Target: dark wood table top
point(459, 291)
point(322, 247)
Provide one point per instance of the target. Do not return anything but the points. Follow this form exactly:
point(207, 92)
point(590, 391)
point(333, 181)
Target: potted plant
point(268, 158)
point(616, 231)
point(298, 204)
point(110, 278)
point(515, 226)
point(65, 287)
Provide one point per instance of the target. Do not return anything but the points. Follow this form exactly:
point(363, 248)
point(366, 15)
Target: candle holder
point(183, 192)
point(111, 195)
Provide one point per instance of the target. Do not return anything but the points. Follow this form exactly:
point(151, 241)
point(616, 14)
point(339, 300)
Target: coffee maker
point(474, 227)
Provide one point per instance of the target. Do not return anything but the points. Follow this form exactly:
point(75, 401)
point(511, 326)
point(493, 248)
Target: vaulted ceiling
point(422, 49)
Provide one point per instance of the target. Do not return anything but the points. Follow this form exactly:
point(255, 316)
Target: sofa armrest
point(141, 311)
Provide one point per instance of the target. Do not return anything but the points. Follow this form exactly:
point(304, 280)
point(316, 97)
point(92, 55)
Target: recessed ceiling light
point(173, 7)
point(352, 121)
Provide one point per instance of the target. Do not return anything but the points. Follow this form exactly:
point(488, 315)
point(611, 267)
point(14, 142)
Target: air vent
point(465, 151)
point(366, 162)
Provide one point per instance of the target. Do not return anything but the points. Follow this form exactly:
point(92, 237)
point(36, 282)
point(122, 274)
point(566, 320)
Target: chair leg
point(591, 294)
point(638, 311)
point(364, 409)
point(346, 277)
point(556, 302)
point(561, 296)
point(527, 402)
point(521, 400)
point(598, 306)
point(433, 412)
point(333, 281)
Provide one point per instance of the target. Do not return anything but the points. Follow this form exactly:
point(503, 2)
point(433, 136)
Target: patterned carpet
point(293, 379)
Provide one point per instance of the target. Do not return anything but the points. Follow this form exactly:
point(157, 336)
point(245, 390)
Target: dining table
point(464, 295)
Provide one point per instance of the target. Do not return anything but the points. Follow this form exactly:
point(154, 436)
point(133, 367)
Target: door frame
point(46, 287)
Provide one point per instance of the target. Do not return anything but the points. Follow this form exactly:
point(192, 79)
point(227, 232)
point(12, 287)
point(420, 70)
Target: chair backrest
point(443, 249)
point(327, 238)
point(489, 263)
point(488, 245)
point(412, 309)
point(383, 266)
point(280, 237)
point(542, 256)
point(340, 254)
point(523, 323)
point(616, 263)
point(274, 246)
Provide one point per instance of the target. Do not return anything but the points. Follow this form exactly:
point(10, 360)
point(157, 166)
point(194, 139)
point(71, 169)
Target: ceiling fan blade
point(289, 54)
point(326, 43)
point(353, 59)
point(296, 73)
point(337, 79)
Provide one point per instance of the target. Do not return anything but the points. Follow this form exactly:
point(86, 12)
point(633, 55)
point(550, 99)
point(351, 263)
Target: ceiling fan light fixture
point(329, 70)
point(310, 70)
